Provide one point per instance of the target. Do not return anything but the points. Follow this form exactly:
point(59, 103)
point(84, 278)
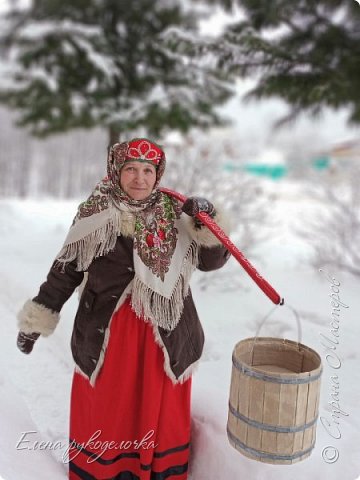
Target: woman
point(136, 335)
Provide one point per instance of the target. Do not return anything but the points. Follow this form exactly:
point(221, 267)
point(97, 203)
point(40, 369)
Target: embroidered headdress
point(144, 150)
point(164, 253)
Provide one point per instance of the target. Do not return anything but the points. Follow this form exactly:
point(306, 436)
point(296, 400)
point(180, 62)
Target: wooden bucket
point(274, 399)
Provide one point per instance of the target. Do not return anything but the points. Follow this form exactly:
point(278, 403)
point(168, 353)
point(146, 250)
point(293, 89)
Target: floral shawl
point(164, 253)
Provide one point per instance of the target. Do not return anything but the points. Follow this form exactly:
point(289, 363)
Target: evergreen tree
point(306, 52)
point(85, 63)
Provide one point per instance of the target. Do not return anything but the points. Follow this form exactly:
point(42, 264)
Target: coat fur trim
point(186, 374)
point(203, 236)
point(101, 359)
point(128, 224)
point(183, 377)
point(34, 317)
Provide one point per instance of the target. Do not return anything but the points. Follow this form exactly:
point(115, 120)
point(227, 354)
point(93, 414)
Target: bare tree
point(333, 232)
point(197, 167)
point(62, 166)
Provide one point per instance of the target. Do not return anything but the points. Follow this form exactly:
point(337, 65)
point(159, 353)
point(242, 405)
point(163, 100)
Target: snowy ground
point(34, 390)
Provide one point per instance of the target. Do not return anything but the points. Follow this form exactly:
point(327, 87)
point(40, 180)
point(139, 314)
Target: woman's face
point(138, 179)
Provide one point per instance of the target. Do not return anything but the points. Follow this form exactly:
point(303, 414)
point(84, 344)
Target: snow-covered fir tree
point(305, 52)
point(86, 63)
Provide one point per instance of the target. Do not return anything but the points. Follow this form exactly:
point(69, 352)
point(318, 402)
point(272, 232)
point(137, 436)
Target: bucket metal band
point(271, 428)
point(246, 370)
point(269, 456)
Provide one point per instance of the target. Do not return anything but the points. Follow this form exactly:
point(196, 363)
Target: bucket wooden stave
point(274, 399)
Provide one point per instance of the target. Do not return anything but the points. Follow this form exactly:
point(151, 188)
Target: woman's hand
point(194, 205)
point(26, 341)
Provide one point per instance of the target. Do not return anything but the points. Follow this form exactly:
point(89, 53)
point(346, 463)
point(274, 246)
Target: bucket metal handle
point(264, 320)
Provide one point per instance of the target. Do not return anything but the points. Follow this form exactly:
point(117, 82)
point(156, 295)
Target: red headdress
point(143, 150)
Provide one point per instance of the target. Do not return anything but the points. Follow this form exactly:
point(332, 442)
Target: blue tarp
point(262, 170)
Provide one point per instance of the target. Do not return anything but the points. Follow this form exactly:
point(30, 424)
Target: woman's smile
point(138, 179)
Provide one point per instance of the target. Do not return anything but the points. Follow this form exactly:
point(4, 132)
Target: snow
point(80, 34)
point(104, 63)
point(38, 30)
point(271, 156)
point(219, 20)
point(35, 389)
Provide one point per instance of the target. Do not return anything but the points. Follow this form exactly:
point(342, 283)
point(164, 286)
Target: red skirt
point(134, 424)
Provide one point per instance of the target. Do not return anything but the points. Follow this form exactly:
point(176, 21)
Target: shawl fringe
point(165, 312)
point(96, 244)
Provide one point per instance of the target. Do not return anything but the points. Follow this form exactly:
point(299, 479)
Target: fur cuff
point(128, 224)
point(34, 317)
point(203, 236)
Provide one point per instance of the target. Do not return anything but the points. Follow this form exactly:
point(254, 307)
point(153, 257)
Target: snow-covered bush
point(333, 230)
point(197, 166)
